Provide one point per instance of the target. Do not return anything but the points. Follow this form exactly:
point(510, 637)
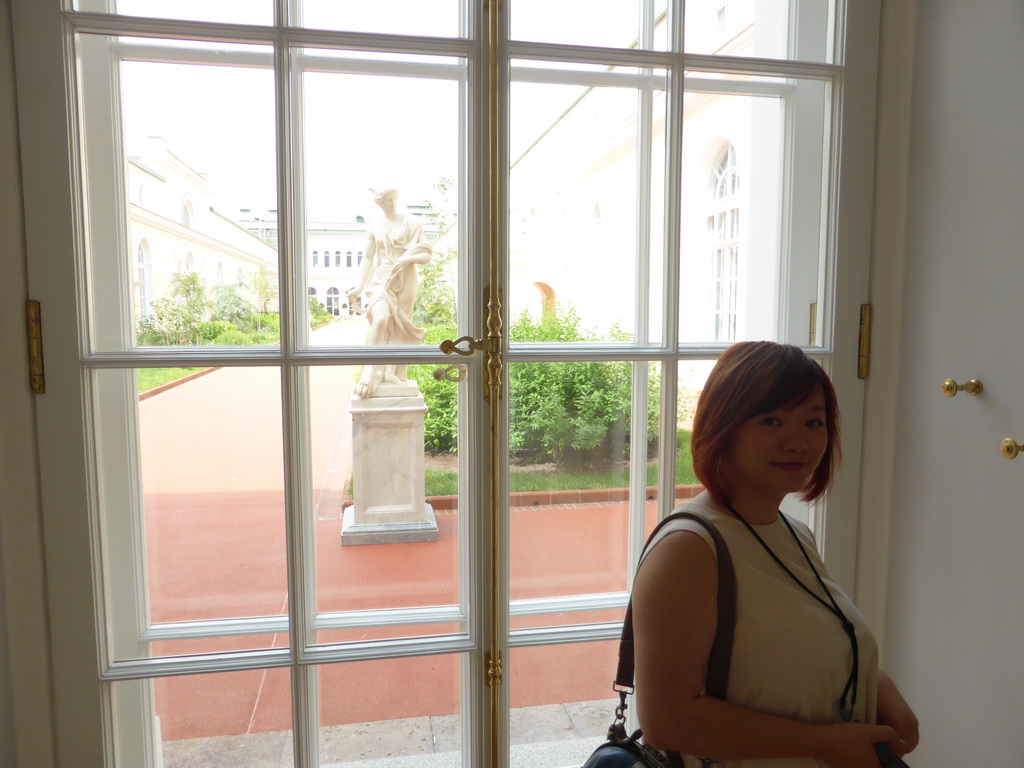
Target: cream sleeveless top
point(790, 655)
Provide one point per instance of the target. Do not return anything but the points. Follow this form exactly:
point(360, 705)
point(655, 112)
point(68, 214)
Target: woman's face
point(776, 453)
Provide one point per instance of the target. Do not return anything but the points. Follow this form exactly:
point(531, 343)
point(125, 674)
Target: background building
point(176, 228)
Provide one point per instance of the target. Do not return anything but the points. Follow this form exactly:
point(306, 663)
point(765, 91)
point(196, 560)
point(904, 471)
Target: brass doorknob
point(1009, 448)
point(454, 373)
point(972, 387)
point(449, 347)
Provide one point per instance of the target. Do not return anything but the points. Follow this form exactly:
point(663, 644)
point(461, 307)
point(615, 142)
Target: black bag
point(628, 751)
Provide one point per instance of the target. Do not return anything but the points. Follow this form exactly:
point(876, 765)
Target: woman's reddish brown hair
point(751, 378)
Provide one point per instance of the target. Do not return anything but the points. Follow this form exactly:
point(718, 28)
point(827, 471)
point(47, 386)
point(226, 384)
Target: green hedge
point(566, 412)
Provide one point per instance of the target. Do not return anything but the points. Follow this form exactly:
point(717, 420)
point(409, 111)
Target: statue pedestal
point(388, 484)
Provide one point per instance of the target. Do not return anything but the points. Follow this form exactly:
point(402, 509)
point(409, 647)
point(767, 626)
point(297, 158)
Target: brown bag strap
point(721, 650)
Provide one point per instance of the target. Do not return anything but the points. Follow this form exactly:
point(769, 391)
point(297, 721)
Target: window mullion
point(295, 407)
point(642, 322)
point(670, 288)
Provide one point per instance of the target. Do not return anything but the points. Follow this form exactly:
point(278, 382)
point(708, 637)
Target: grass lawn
point(151, 378)
point(444, 483)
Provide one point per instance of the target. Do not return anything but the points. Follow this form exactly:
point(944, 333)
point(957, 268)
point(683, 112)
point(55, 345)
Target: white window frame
point(76, 716)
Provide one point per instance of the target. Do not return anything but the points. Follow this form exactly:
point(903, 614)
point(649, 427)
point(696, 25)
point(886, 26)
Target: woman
point(803, 690)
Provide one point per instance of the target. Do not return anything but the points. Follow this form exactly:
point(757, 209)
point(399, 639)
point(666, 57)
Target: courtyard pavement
point(213, 485)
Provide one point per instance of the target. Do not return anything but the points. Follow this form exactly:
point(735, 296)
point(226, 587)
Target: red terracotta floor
point(215, 532)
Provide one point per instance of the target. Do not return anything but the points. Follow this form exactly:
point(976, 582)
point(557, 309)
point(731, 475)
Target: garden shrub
point(565, 412)
point(233, 338)
point(571, 412)
point(230, 306)
point(440, 424)
point(211, 329)
point(268, 321)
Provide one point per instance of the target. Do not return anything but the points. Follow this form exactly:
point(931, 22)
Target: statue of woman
point(394, 246)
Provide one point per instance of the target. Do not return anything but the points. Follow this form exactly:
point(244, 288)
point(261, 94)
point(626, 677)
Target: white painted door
point(610, 202)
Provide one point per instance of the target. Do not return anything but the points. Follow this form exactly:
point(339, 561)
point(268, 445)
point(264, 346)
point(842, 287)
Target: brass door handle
point(448, 346)
point(1009, 448)
point(454, 373)
point(972, 387)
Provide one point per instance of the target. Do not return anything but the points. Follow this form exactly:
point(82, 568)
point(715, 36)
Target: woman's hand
point(852, 745)
point(894, 711)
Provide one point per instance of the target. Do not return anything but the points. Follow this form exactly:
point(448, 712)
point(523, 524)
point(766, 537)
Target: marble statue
point(394, 246)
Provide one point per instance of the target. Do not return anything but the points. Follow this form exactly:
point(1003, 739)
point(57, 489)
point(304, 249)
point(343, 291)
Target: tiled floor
point(551, 736)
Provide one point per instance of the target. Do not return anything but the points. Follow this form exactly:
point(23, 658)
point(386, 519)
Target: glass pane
point(571, 445)
point(380, 190)
point(753, 212)
point(226, 11)
point(525, 615)
point(192, 503)
point(385, 492)
point(586, 192)
point(562, 702)
point(181, 250)
point(769, 29)
point(225, 718)
point(437, 18)
point(411, 710)
point(622, 24)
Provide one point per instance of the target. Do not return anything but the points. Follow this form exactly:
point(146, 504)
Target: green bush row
point(187, 316)
point(571, 413)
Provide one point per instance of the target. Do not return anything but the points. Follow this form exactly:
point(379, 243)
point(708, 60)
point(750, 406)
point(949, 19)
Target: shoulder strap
point(721, 649)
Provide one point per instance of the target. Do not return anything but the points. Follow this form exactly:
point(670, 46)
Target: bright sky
point(360, 131)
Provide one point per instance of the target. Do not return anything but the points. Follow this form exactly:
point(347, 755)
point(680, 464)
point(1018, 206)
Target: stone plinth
point(388, 484)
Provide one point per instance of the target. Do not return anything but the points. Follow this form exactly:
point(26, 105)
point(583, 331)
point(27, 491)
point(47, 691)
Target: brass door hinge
point(812, 335)
point(864, 345)
point(35, 347)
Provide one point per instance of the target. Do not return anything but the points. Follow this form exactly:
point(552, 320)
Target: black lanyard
point(851, 683)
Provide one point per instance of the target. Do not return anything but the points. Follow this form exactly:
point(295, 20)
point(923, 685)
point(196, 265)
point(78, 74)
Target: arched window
point(333, 301)
point(220, 272)
point(359, 258)
point(143, 275)
point(547, 299)
point(187, 214)
point(190, 263)
point(316, 258)
point(723, 224)
point(337, 258)
point(348, 258)
point(725, 181)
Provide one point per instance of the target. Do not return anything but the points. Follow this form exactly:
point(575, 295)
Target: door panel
point(258, 470)
point(657, 207)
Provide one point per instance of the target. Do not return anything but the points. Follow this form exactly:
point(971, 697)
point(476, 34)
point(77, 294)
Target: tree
point(263, 285)
point(435, 300)
point(230, 306)
point(176, 318)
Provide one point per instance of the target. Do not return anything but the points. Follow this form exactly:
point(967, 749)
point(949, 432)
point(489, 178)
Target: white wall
point(25, 724)
point(954, 626)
